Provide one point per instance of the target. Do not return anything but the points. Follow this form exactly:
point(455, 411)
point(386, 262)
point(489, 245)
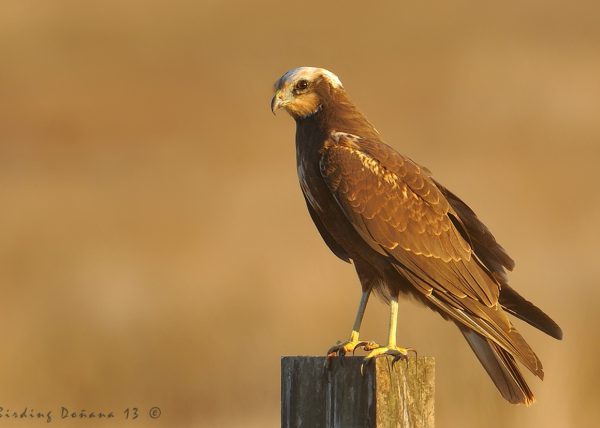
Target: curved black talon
point(401, 357)
point(363, 365)
point(366, 346)
point(358, 345)
point(362, 368)
point(334, 349)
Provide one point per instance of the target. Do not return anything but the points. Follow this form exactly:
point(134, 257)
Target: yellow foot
point(395, 351)
point(343, 348)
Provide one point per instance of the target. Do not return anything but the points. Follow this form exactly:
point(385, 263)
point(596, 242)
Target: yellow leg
point(342, 348)
point(391, 348)
point(393, 322)
point(364, 299)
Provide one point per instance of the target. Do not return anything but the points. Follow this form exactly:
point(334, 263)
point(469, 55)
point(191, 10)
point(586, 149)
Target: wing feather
point(400, 212)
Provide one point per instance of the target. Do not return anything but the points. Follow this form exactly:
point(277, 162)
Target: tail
point(501, 367)
point(496, 260)
point(515, 304)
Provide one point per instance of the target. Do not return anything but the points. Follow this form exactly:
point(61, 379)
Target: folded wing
point(400, 212)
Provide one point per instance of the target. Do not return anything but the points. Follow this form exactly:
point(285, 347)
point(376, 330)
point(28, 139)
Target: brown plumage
point(404, 232)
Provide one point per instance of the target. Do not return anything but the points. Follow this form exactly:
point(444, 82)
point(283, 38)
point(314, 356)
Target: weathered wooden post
point(385, 395)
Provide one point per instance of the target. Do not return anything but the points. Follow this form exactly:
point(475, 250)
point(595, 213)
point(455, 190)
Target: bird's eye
point(301, 85)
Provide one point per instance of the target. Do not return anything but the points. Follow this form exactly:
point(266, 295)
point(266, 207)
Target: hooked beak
point(277, 102)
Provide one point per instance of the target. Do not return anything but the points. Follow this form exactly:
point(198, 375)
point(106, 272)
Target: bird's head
point(303, 90)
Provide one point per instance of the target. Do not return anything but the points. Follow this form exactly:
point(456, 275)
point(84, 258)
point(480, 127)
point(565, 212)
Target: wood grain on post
point(386, 395)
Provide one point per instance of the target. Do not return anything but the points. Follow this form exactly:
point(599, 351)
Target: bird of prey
point(405, 233)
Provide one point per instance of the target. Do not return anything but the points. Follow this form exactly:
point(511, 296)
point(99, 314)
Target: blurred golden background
point(155, 248)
